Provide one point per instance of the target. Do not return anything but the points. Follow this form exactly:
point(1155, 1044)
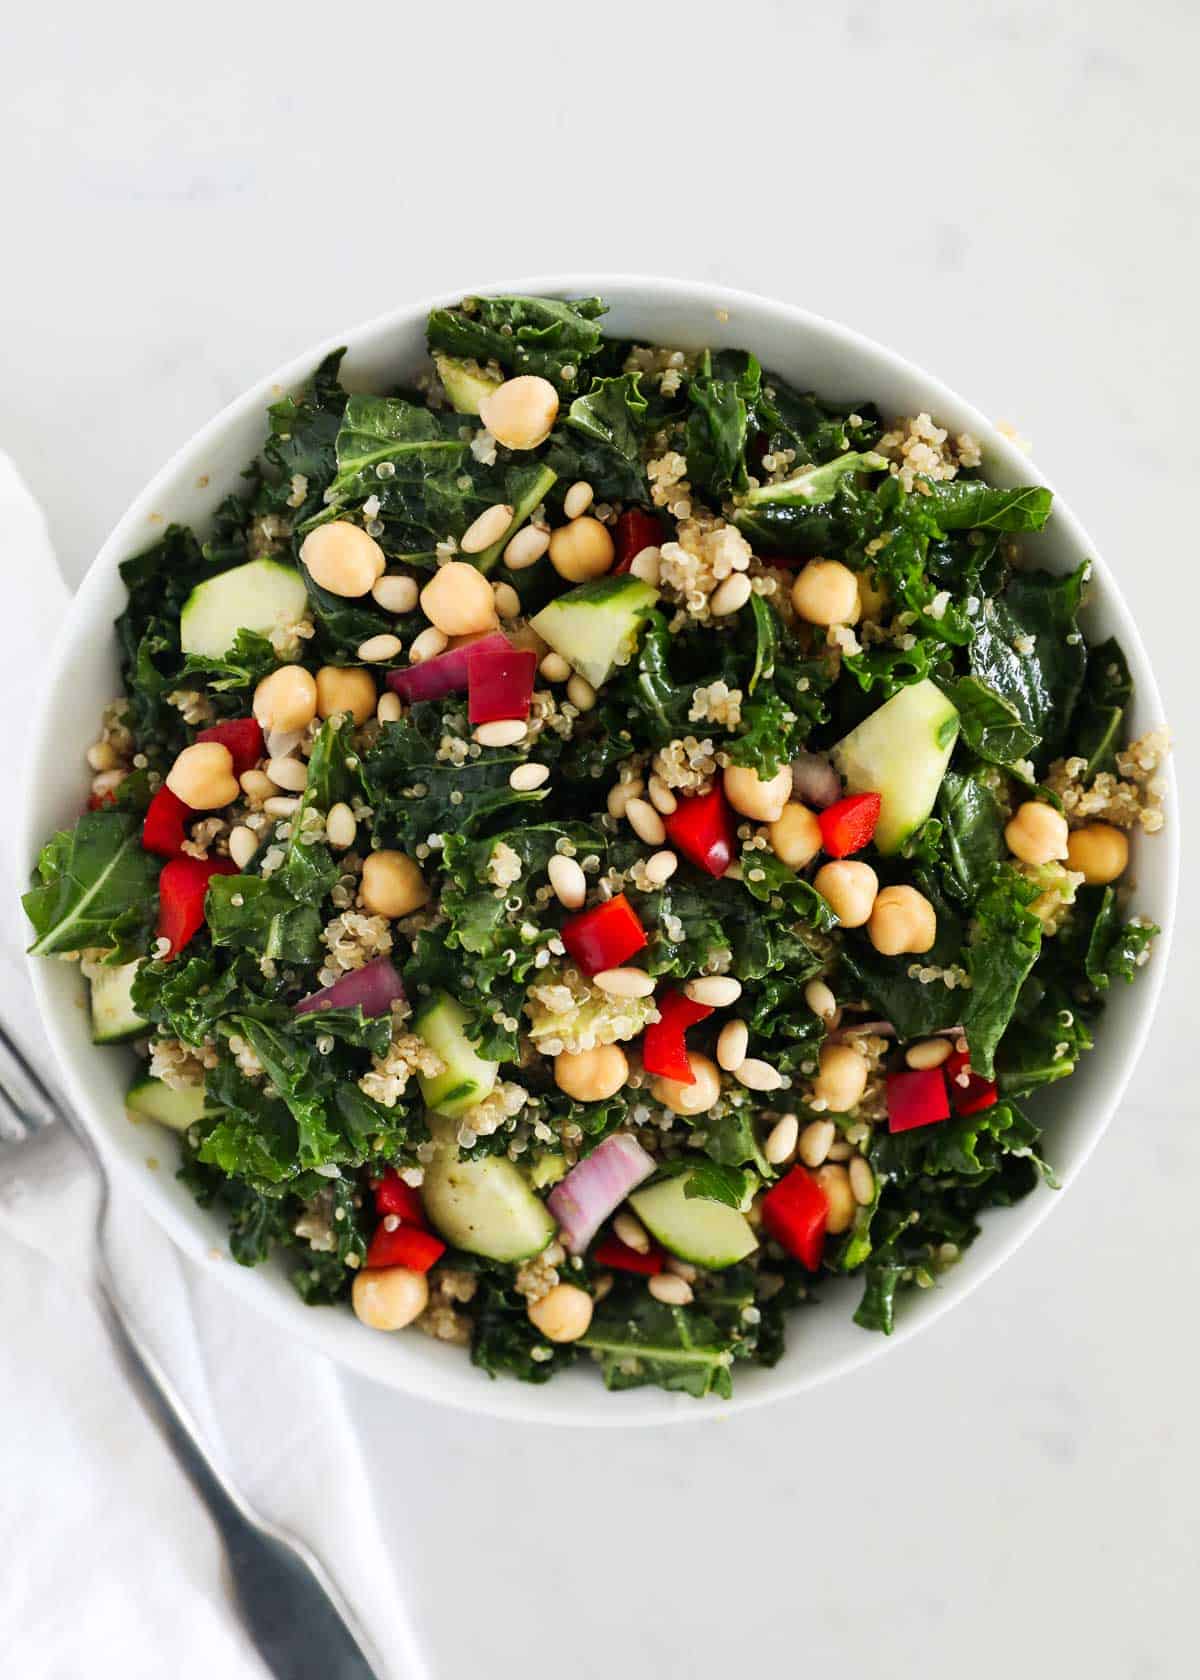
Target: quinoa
point(1132, 798)
point(353, 939)
point(918, 449)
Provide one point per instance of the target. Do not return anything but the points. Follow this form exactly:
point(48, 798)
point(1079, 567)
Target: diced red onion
point(596, 1187)
point(815, 781)
point(375, 987)
point(445, 673)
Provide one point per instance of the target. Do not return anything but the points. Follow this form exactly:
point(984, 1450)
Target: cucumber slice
point(114, 1019)
point(466, 382)
point(261, 596)
point(901, 752)
point(485, 1207)
point(547, 1171)
point(709, 1234)
point(468, 1076)
point(153, 1099)
point(596, 626)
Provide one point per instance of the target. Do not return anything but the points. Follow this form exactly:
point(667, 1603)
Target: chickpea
point(1099, 852)
point(342, 558)
point(873, 594)
point(581, 550)
point(1037, 833)
point(202, 776)
point(591, 1075)
point(696, 1098)
point(389, 1297)
point(392, 885)
point(346, 689)
point(458, 600)
point(287, 699)
point(841, 1077)
point(902, 919)
point(826, 592)
point(835, 1182)
point(752, 796)
point(849, 889)
point(563, 1314)
point(520, 412)
point(795, 835)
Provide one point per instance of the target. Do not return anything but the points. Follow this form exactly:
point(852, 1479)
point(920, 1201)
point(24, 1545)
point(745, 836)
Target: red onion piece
point(445, 673)
point(815, 781)
point(595, 1187)
point(375, 987)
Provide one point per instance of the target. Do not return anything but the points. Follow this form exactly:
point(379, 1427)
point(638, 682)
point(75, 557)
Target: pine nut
point(730, 596)
point(839, 1151)
point(555, 668)
point(505, 732)
point(732, 1044)
point(508, 602)
point(660, 868)
point(280, 806)
point(242, 845)
point(101, 756)
point(757, 1076)
point(620, 795)
point(428, 645)
point(568, 880)
point(815, 1140)
point(645, 565)
point(671, 1290)
point(580, 692)
point(288, 773)
point(280, 742)
point(340, 827)
point(631, 1232)
point(624, 982)
point(108, 781)
point(929, 1053)
point(389, 709)
point(820, 999)
point(578, 499)
point(682, 1268)
point(395, 594)
point(782, 1139)
point(526, 777)
point(661, 796)
point(839, 1197)
point(378, 648)
point(862, 1180)
point(256, 784)
point(645, 822)
point(526, 548)
point(718, 991)
point(487, 529)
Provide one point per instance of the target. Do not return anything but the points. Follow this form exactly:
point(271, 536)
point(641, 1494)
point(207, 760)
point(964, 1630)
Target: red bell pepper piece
point(392, 1195)
point(702, 829)
point(242, 736)
point(664, 1049)
point(181, 891)
point(499, 680)
point(611, 1251)
point(405, 1246)
point(165, 826)
point(848, 825)
point(635, 530)
point(97, 801)
point(795, 1212)
point(970, 1093)
point(916, 1098)
point(605, 936)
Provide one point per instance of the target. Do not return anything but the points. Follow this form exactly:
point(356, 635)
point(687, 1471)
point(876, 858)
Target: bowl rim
point(508, 1399)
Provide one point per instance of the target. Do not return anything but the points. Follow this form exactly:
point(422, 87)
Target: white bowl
point(815, 355)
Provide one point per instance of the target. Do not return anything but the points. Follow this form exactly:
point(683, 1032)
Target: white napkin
point(110, 1562)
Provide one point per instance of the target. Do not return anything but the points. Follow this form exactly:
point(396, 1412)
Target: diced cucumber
point(168, 1105)
point(466, 383)
point(114, 1019)
point(595, 627)
point(485, 1207)
point(468, 1076)
point(901, 752)
point(547, 1170)
point(262, 596)
point(707, 1233)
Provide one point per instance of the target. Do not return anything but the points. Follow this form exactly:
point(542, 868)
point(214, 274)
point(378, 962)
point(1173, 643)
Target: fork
point(295, 1615)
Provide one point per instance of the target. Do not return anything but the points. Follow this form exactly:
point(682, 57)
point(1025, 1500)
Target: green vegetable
point(707, 1232)
point(900, 752)
point(485, 1207)
point(259, 598)
point(94, 886)
point(176, 1107)
point(467, 1076)
point(595, 626)
point(114, 1018)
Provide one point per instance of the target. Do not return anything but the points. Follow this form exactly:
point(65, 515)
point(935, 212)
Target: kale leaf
point(94, 886)
point(546, 336)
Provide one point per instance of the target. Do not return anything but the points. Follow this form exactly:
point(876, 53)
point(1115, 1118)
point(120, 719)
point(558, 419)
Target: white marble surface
point(1012, 199)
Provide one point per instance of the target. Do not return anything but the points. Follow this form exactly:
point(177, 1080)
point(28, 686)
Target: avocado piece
point(901, 753)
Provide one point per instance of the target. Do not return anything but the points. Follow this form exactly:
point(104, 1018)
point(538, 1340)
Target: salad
point(599, 842)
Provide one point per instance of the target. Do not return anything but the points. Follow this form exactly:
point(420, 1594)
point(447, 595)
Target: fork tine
point(24, 1092)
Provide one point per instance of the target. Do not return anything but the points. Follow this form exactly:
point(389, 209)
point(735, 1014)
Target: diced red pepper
point(181, 891)
point(242, 736)
point(664, 1049)
point(848, 825)
point(611, 1251)
point(165, 826)
point(635, 530)
point(916, 1098)
point(392, 1195)
point(702, 829)
point(405, 1246)
point(97, 801)
point(499, 681)
point(975, 1093)
point(605, 936)
point(795, 1212)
